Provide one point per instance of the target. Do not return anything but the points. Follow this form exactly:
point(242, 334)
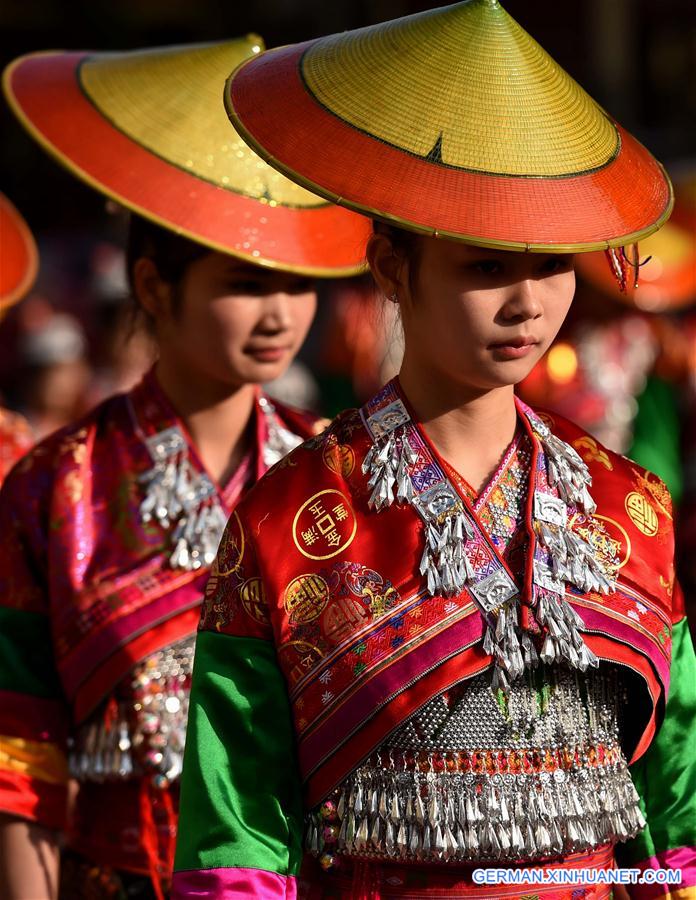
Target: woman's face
point(235, 322)
point(482, 318)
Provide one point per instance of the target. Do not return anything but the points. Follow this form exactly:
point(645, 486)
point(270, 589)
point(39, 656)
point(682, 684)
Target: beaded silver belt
point(141, 729)
point(551, 781)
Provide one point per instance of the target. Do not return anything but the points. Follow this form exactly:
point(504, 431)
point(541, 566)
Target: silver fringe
point(460, 781)
point(445, 818)
point(177, 496)
point(145, 731)
point(446, 568)
point(280, 440)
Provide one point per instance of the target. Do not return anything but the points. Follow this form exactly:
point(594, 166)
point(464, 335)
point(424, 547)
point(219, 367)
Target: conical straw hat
point(148, 128)
point(452, 121)
point(19, 259)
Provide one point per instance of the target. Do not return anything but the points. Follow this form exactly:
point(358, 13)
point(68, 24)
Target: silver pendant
point(181, 500)
point(280, 440)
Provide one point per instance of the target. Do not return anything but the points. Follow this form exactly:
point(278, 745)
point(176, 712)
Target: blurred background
point(623, 368)
point(65, 345)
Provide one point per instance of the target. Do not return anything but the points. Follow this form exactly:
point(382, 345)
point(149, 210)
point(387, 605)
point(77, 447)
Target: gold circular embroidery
point(338, 458)
point(253, 596)
point(231, 549)
point(305, 598)
point(297, 659)
point(617, 538)
point(343, 617)
point(641, 513)
point(324, 525)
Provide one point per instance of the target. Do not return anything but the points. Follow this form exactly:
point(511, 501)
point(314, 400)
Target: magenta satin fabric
point(683, 858)
point(233, 884)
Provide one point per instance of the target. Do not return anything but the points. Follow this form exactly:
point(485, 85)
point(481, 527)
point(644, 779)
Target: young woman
point(465, 623)
point(110, 525)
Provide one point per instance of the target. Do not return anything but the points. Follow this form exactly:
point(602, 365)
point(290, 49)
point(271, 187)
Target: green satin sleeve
point(665, 776)
point(240, 795)
point(658, 448)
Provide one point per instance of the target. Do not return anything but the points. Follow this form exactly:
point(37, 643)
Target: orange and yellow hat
point(453, 122)
point(19, 259)
point(148, 129)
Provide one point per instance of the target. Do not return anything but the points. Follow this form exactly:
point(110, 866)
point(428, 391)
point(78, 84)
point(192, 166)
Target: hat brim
point(314, 147)
point(44, 92)
point(19, 258)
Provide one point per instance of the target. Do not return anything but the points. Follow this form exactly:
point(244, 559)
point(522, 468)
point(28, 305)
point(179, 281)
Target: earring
point(394, 298)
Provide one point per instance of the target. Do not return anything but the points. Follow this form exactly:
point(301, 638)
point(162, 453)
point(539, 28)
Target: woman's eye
point(302, 287)
point(488, 266)
point(246, 287)
point(556, 264)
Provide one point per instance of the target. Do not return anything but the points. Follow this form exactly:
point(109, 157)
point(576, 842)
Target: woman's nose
point(524, 302)
point(277, 312)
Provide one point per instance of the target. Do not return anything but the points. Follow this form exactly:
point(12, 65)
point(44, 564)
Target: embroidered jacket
point(320, 632)
point(87, 591)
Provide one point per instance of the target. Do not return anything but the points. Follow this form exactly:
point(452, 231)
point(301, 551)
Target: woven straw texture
point(452, 83)
point(169, 101)
point(148, 129)
point(18, 255)
point(456, 122)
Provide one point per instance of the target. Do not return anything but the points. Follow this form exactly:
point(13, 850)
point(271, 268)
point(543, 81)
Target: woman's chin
point(513, 371)
point(494, 380)
point(262, 372)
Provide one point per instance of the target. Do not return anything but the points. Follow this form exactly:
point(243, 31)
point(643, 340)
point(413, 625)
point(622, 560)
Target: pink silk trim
point(233, 884)
point(683, 858)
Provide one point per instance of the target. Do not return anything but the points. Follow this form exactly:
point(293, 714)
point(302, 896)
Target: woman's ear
point(389, 269)
point(151, 291)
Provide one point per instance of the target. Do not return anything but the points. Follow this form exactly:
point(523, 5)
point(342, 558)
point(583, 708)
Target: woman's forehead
point(229, 265)
point(458, 250)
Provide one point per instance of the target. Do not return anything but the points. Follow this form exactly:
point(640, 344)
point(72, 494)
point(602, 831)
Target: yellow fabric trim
point(687, 893)
point(35, 759)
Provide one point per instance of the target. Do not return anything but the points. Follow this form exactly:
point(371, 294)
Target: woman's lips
point(516, 348)
point(267, 354)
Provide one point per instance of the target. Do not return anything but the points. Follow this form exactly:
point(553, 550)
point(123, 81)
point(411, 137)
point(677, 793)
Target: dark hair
point(171, 253)
point(406, 244)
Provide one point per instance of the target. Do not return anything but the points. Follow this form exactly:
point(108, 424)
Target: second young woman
point(110, 525)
